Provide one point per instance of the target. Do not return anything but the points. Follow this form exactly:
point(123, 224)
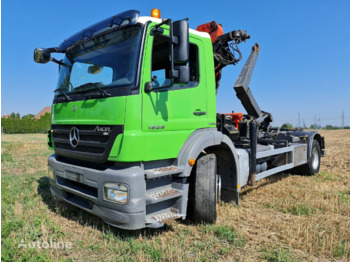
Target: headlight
point(50, 172)
point(116, 192)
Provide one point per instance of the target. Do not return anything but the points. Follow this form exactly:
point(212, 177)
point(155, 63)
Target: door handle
point(199, 113)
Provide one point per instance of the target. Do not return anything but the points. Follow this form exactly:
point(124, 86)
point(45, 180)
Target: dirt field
point(286, 218)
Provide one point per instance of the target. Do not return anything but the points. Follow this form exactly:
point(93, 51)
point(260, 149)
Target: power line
point(299, 123)
point(316, 119)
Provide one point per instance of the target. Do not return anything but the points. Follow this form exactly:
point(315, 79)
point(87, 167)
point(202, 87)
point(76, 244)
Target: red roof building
point(46, 109)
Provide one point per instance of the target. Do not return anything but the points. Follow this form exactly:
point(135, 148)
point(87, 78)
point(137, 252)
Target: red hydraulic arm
point(224, 46)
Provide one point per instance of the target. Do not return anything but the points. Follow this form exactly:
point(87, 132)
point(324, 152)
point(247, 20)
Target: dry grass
point(286, 218)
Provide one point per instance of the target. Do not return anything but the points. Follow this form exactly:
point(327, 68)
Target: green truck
point(136, 137)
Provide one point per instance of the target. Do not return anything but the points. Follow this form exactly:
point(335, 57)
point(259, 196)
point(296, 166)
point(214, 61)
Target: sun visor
point(126, 18)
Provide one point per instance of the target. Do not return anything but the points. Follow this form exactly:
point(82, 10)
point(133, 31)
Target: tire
point(205, 189)
point(314, 162)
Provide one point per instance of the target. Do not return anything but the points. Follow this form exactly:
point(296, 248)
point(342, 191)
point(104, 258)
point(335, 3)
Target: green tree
point(315, 126)
point(15, 125)
point(287, 126)
point(14, 115)
point(28, 116)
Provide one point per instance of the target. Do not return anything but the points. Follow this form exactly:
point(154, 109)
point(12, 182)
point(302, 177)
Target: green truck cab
point(135, 132)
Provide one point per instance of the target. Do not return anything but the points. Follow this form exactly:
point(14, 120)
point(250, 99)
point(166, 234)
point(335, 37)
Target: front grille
point(87, 190)
point(95, 143)
point(79, 201)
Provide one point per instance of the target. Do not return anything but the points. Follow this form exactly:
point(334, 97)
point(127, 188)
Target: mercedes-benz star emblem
point(74, 137)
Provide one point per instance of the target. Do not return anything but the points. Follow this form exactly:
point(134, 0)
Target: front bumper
point(83, 188)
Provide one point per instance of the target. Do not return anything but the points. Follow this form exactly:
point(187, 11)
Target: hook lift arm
point(244, 93)
point(224, 48)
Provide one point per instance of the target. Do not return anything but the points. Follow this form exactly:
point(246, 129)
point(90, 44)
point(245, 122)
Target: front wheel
point(206, 189)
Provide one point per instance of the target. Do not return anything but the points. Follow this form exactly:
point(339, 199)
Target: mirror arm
point(165, 22)
point(157, 30)
point(54, 50)
point(171, 41)
point(59, 62)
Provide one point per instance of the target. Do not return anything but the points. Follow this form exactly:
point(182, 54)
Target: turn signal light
point(191, 161)
point(50, 172)
point(155, 13)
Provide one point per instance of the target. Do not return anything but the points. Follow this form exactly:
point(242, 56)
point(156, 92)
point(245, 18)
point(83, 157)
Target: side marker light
point(191, 162)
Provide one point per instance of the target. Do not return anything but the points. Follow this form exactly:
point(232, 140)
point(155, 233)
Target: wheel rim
point(218, 188)
point(315, 158)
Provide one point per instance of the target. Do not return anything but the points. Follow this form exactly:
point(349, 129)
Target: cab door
point(172, 111)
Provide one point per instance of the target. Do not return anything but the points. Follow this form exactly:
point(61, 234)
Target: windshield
point(108, 62)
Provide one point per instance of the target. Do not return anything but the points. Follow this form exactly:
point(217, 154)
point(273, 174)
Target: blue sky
point(303, 66)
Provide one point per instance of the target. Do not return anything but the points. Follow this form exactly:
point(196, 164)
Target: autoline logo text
point(46, 244)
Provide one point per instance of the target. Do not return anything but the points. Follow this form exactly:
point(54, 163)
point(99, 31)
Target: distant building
point(46, 109)
point(5, 116)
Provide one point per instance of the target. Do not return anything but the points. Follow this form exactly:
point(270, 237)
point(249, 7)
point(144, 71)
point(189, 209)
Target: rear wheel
point(206, 189)
point(313, 164)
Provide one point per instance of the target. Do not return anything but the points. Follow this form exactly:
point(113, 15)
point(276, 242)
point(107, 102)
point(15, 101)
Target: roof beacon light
point(155, 13)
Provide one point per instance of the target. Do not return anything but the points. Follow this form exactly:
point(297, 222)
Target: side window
point(161, 64)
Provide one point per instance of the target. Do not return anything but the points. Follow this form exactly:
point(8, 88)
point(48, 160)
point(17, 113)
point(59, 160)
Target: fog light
point(50, 172)
point(116, 192)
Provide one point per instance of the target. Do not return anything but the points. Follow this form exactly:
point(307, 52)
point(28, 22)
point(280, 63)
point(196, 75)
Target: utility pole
point(342, 119)
point(319, 120)
point(299, 122)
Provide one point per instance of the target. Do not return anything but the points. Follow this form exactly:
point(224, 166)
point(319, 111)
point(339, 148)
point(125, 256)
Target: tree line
point(15, 124)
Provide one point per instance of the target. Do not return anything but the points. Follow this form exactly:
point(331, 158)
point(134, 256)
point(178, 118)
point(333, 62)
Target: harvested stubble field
point(285, 218)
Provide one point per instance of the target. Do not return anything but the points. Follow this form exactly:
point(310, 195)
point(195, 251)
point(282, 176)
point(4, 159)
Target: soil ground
point(285, 218)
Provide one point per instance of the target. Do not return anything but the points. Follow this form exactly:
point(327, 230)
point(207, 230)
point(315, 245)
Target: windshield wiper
point(86, 86)
point(66, 98)
point(102, 93)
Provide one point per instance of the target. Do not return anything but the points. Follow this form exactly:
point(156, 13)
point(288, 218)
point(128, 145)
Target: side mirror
point(182, 47)
point(42, 55)
point(183, 76)
point(148, 87)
